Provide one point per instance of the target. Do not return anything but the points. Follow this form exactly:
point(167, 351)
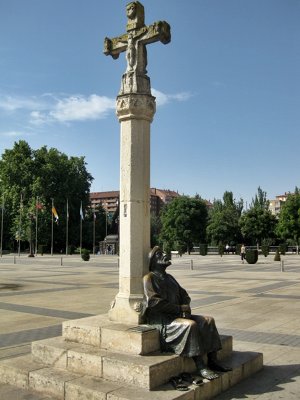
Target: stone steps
point(62, 384)
point(99, 359)
point(8, 392)
point(144, 371)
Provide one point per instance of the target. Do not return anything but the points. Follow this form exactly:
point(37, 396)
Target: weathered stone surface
point(52, 351)
point(143, 371)
point(87, 388)
point(15, 371)
point(243, 363)
point(135, 110)
point(85, 330)
point(13, 393)
point(127, 377)
point(140, 339)
point(134, 219)
point(51, 381)
point(99, 331)
point(127, 338)
point(136, 106)
point(163, 393)
point(86, 360)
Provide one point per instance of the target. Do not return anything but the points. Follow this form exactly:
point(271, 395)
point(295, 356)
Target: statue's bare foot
point(218, 366)
point(207, 373)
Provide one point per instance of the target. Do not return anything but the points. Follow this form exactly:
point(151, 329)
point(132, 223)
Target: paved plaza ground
point(257, 304)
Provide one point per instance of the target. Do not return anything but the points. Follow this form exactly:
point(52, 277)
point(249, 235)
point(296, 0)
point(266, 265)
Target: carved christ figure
point(136, 54)
point(135, 41)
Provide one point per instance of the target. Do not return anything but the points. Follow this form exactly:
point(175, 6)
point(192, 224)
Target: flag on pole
point(81, 212)
point(68, 213)
point(54, 212)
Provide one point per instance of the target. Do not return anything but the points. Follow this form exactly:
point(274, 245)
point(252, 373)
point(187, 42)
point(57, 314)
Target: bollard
point(192, 266)
point(14, 259)
point(118, 263)
point(282, 266)
point(61, 261)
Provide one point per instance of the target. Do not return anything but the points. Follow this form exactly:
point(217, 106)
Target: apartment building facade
point(110, 200)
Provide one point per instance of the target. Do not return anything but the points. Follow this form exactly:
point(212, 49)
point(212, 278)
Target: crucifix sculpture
point(134, 42)
point(135, 111)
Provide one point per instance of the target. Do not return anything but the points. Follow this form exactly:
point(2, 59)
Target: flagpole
point(20, 217)
point(36, 225)
point(52, 228)
point(2, 226)
point(67, 228)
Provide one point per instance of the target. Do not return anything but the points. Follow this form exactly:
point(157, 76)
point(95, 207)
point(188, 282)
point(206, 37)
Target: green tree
point(288, 227)
point(183, 223)
point(223, 225)
point(155, 228)
point(258, 224)
point(93, 219)
point(29, 177)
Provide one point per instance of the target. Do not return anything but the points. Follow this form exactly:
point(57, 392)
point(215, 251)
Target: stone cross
point(135, 111)
point(134, 42)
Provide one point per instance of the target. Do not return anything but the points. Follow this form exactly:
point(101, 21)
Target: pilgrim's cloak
point(193, 336)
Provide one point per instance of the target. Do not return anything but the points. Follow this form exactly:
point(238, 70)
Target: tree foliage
point(223, 225)
point(289, 218)
point(183, 223)
point(258, 224)
point(37, 177)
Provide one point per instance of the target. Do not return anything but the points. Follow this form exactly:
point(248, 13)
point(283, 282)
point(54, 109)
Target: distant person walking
point(243, 253)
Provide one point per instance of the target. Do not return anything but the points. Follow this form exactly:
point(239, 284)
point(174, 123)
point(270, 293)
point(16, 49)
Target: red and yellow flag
point(54, 212)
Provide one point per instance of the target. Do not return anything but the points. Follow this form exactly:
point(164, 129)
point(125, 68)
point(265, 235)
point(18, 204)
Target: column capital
point(136, 106)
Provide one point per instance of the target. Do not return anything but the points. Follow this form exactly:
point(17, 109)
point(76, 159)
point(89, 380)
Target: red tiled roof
point(104, 195)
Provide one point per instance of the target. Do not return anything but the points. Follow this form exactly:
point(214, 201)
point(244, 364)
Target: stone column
point(135, 113)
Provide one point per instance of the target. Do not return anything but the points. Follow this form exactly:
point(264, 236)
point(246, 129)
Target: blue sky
point(227, 89)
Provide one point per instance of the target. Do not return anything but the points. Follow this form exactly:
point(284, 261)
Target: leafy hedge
point(203, 249)
point(251, 256)
point(265, 249)
point(282, 248)
point(85, 254)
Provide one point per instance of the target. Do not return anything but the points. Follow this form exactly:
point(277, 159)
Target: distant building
point(159, 198)
point(275, 205)
point(110, 200)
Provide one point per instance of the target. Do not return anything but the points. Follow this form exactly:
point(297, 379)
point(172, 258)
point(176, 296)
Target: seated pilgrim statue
point(168, 309)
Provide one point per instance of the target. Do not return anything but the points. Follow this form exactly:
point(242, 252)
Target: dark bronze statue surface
point(168, 309)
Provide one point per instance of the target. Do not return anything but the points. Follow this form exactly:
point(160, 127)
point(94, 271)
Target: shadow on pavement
point(268, 380)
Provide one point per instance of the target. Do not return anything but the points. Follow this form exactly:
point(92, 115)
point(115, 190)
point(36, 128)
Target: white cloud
point(38, 118)
point(14, 134)
point(73, 108)
point(80, 108)
point(10, 103)
point(52, 108)
point(162, 98)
